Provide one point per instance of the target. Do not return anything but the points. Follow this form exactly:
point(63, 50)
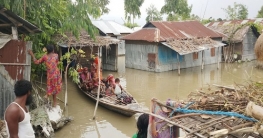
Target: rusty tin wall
point(15, 64)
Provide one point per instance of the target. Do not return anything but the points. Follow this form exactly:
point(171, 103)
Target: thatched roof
point(85, 40)
point(186, 46)
point(234, 32)
point(259, 50)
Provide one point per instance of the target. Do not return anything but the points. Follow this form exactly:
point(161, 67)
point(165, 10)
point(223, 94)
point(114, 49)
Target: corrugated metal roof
point(145, 34)
point(111, 27)
point(8, 18)
point(234, 26)
point(174, 30)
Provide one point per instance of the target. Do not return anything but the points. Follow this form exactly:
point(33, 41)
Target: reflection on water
point(143, 86)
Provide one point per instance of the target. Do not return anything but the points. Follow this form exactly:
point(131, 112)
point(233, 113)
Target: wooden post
point(202, 60)
point(178, 64)
point(98, 93)
point(116, 59)
point(218, 56)
point(14, 33)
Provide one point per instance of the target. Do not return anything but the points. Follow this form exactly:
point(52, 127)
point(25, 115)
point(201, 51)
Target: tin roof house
point(240, 37)
point(15, 63)
point(106, 46)
point(163, 46)
point(113, 29)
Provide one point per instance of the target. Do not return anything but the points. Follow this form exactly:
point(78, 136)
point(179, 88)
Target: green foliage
point(205, 21)
point(260, 13)
point(73, 73)
point(131, 25)
point(57, 17)
point(238, 11)
point(195, 17)
point(67, 56)
point(176, 10)
point(132, 8)
point(258, 26)
point(153, 14)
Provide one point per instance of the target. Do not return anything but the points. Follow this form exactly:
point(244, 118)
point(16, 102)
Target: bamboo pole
point(178, 64)
point(202, 60)
point(98, 93)
point(218, 56)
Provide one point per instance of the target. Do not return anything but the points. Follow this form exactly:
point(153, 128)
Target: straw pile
point(259, 51)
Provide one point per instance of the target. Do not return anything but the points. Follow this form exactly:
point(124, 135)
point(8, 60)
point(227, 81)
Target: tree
point(176, 10)
point(132, 8)
point(58, 17)
point(219, 19)
point(195, 17)
point(239, 11)
point(153, 14)
point(131, 25)
point(206, 21)
point(260, 13)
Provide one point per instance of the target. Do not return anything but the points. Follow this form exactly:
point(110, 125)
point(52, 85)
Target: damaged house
point(240, 37)
point(163, 46)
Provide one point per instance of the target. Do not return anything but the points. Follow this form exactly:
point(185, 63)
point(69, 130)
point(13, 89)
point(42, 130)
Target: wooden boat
point(109, 102)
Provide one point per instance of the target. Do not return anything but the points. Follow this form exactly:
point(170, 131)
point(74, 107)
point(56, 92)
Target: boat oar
point(98, 93)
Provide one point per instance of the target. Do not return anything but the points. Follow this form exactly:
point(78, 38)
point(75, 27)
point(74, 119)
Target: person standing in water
point(54, 80)
point(17, 117)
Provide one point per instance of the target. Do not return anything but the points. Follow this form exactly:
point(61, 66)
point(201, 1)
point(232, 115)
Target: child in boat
point(118, 89)
point(142, 126)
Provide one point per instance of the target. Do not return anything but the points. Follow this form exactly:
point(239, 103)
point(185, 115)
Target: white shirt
point(25, 129)
point(117, 89)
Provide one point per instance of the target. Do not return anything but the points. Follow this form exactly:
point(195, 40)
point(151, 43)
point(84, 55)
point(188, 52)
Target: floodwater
point(144, 86)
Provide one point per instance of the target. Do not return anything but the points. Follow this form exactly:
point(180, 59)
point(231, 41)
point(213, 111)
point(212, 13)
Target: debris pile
point(221, 111)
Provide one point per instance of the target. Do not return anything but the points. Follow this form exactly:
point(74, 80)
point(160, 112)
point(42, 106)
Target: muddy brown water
point(143, 86)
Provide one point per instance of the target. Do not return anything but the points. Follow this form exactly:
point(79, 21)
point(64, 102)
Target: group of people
point(109, 86)
point(17, 117)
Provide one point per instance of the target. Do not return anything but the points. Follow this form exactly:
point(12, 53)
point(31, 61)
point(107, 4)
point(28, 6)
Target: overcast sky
point(214, 9)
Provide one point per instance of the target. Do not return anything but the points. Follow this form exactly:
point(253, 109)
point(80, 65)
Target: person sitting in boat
point(94, 77)
point(118, 90)
point(110, 82)
point(85, 79)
